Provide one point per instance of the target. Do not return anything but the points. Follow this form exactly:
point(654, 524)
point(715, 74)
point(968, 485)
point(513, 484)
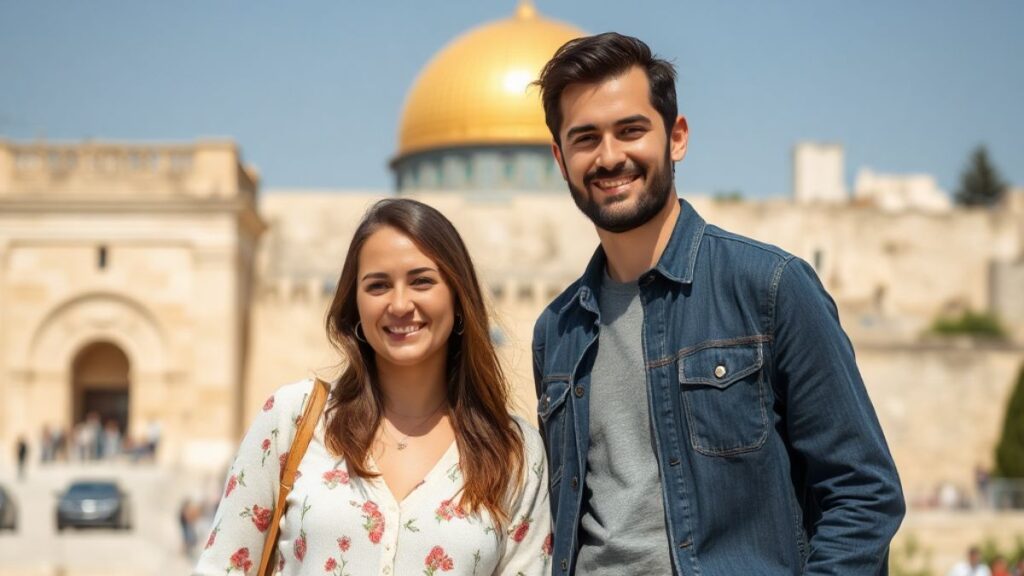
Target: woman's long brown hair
point(489, 442)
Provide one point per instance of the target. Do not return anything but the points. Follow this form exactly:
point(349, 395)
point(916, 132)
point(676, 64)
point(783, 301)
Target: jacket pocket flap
point(719, 366)
point(555, 393)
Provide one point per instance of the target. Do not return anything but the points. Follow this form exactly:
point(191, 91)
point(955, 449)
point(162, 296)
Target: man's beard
point(648, 202)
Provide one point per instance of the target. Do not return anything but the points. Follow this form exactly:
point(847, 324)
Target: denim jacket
point(770, 455)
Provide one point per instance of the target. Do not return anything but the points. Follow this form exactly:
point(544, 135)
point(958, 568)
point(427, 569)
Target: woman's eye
point(376, 287)
point(423, 281)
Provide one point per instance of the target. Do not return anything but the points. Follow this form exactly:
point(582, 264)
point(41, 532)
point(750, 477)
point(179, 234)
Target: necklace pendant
point(402, 445)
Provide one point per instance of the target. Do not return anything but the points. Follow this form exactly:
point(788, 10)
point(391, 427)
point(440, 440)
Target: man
point(700, 403)
point(22, 450)
point(972, 566)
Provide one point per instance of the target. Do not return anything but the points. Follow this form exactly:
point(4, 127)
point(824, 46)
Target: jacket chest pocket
point(552, 414)
point(724, 396)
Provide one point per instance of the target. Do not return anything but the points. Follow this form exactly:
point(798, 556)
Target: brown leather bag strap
point(306, 426)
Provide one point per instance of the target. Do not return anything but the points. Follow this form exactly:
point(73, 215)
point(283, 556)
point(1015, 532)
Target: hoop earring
point(359, 324)
point(460, 325)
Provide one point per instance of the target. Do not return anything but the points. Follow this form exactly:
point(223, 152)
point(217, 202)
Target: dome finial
point(525, 10)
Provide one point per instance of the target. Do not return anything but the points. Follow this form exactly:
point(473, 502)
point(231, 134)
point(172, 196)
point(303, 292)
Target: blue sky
point(312, 91)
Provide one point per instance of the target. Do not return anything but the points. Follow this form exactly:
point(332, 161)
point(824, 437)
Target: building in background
point(818, 174)
point(155, 284)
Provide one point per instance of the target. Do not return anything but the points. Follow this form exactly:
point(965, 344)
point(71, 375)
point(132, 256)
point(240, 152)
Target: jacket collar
point(676, 262)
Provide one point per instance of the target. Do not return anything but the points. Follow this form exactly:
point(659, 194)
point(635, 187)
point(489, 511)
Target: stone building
point(156, 283)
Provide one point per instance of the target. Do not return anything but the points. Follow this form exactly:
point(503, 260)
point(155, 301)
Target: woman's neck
point(412, 391)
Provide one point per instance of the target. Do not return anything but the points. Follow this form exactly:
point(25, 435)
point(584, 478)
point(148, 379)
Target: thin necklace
point(404, 442)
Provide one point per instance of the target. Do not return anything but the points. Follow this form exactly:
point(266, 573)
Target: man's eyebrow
point(579, 129)
point(634, 119)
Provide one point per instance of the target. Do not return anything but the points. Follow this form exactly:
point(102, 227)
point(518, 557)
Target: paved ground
point(151, 547)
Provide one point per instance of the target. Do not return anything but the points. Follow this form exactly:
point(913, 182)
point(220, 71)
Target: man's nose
point(610, 155)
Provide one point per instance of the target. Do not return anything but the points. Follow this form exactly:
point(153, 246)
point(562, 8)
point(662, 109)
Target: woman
point(416, 467)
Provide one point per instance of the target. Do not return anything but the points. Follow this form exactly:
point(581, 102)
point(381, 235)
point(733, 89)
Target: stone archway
point(97, 342)
point(100, 384)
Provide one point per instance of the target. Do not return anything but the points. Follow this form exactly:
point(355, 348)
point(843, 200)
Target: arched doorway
point(100, 384)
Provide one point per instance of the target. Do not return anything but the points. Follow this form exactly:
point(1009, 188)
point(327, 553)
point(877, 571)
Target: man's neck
point(632, 253)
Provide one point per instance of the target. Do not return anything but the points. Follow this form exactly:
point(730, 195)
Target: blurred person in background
point(21, 447)
point(700, 402)
point(110, 440)
point(1000, 567)
point(417, 466)
point(46, 445)
point(153, 433)
point(972, 566)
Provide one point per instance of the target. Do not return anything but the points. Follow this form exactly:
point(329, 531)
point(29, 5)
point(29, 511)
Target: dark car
point(8, 513)
point(93, 503)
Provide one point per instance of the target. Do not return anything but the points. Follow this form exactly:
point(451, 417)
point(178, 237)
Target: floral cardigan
point(339, 524)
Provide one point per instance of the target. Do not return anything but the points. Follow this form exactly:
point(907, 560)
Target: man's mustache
point(625, 169)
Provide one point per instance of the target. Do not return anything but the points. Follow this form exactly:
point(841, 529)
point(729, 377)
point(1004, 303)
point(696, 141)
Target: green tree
point(980, 182)
point(969, 323)
point(1010, 450)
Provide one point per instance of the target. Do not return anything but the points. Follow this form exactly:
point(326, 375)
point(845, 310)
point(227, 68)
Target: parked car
point(8, 511)
point(91, 503)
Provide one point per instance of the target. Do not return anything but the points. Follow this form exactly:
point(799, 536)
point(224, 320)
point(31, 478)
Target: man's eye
point(585, 139)
point(634, 131)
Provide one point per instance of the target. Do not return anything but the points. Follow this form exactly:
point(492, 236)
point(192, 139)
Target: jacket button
point(575, 482)
point(545, 402)
point(565, 564)
point(579, 391)
point(720, 371)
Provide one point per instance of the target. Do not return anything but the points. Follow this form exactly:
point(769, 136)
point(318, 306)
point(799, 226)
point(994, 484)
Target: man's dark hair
point(595, 58)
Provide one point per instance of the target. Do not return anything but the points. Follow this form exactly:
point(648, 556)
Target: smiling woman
point(417, 466)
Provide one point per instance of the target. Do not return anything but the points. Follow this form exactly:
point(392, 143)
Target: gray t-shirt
point(622, 530)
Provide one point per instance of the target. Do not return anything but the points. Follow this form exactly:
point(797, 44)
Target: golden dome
point(476, 90)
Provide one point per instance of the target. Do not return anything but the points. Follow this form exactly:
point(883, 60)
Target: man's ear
point(556, 151)
point(678, 138)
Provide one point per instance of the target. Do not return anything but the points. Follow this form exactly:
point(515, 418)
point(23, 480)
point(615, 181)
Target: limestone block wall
point(942, 407)
point(894, 272)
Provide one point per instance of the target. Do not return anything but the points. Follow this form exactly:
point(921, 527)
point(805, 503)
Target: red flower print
point(282, 459)
point(374, 524)
point(261, 517)
point(334, 477)
point(549, 542)
point(438, 560)
point(265, 446)
point(213, 537)
point(448, 510)
point(268, 404)
point(300, 545)
point(344, 543)
point(519, 531)
point(330, 565)
point(234, 481)
point(240, 561)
